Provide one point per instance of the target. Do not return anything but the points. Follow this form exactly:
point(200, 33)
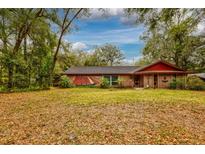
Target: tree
point(109, 54)
point(171, 35)
point(20, 23)
point(64, 24)
point(29, 45)
point(95, 59)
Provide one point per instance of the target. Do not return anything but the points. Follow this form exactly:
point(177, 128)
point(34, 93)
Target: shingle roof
point(102, 70)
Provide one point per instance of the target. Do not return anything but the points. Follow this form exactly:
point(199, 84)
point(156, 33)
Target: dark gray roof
point(102, 70)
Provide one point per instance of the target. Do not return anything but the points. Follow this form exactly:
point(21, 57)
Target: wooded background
point(33, 53)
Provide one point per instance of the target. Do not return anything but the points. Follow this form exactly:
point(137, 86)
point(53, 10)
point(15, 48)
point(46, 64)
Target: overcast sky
point(115, 28)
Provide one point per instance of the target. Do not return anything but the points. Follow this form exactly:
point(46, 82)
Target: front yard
point(103, 116)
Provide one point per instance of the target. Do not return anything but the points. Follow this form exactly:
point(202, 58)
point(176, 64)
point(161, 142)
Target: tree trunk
point(22, 33)
point(10, 76)
point(25, 49)
point(64, 27)
point(1, 71)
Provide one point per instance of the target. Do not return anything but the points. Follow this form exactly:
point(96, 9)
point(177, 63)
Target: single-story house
point(156, 75)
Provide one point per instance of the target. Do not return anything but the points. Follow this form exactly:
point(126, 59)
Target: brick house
point(156, 75)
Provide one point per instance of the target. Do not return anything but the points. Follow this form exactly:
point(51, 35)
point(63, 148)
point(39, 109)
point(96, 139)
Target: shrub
point(195, 83)
point(20, 81)
point(173, 84)
point(65, 82)
point(56, 80)
point(3, 88)
point(120, 82)
point(104, 83)
point(177, 84)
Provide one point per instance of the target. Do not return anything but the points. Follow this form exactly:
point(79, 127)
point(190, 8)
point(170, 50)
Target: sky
point(113, 27)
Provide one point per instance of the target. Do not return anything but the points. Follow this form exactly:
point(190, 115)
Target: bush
point(65, 82)
point(120, 82)
point(3, 88)
point(195, 83)
point(56, 80)
point(173, 84)
point(177, 84)
point(104, 83)
point(20, 81)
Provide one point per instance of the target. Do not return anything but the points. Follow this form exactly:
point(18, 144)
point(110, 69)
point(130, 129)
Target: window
point(113, 79)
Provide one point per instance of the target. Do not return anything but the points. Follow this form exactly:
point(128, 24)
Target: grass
point(103, 116)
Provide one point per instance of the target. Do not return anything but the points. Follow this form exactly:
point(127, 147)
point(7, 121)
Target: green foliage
point(87, 86)
point(120, 82)
point(177, 84)
point(171, 36)
point(104, 83)
point(3, 88)
point(29, 58)
point(20, 81)
point(173, 84)
point(195, 83)
point(65, 82)
point(56, 80)
point(109, 54)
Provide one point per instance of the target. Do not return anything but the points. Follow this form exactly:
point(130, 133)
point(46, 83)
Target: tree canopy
point(172, 35)
point(33, 50)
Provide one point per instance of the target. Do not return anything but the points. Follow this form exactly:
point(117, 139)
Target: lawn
point(103, 116)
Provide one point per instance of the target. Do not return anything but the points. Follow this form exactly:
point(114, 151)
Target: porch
point(154, 80)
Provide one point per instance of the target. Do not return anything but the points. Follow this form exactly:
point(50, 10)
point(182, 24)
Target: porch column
point(110, 80)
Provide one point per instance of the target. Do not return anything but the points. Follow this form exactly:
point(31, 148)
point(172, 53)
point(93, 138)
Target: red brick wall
point(127, 80)
point(85, 80)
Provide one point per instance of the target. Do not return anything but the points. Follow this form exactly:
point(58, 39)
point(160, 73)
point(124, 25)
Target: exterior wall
point(127, 80)
point(71, 78)
point(148, 80)
point(164, 80)
point(85, 80)
point(96, 79)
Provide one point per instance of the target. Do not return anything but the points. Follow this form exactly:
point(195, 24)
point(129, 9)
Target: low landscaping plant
point(104, 83)
point(195, 83)
point(65, 82)
point(120, 82)
point(177, 84)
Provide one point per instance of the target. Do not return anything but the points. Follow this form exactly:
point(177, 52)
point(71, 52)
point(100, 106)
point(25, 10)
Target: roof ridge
point(105, 66)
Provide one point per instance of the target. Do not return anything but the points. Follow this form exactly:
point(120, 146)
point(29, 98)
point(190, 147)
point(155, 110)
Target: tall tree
point(20, 23)
point(64, 23)
point(29, 44)
point(109, 54)
point(171, 34)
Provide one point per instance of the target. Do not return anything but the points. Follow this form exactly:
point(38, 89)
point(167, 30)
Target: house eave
point(161, 72)
point(96, 74)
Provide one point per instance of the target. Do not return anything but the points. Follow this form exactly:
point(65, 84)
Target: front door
point(138, 81)
point(155, 81)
